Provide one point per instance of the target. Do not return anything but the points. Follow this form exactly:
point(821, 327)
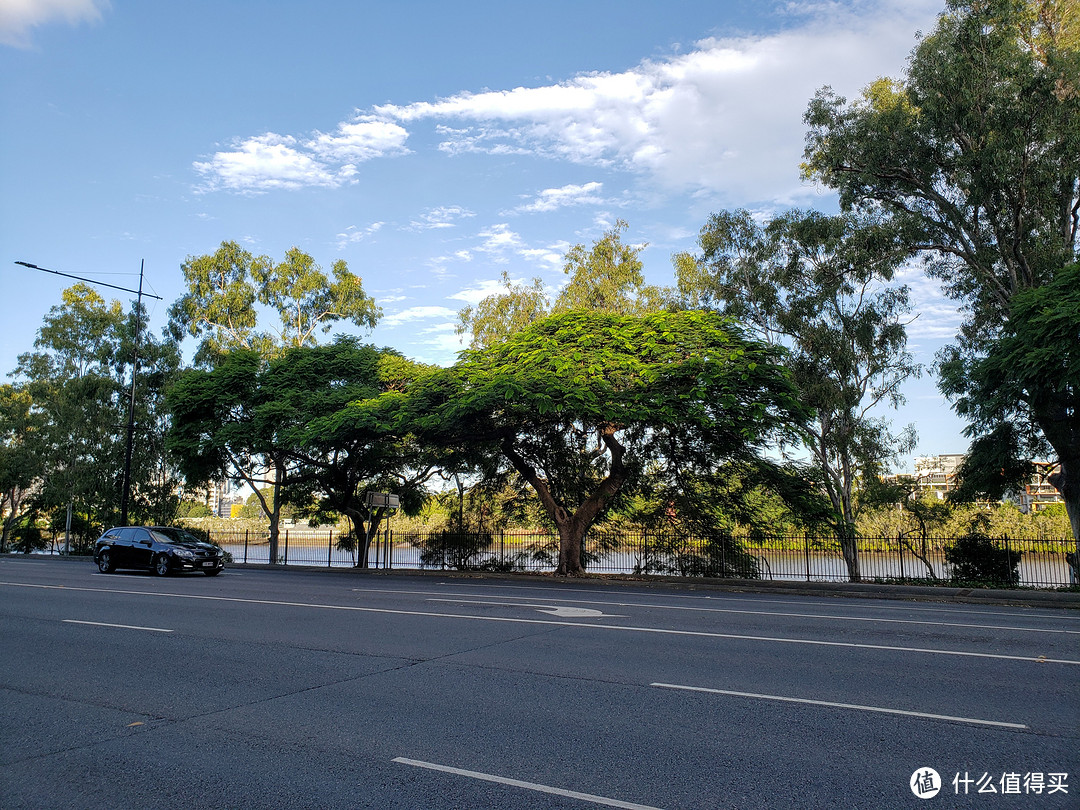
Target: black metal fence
point(809, 558)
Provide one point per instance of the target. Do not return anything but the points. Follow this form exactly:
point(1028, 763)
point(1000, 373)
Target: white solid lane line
point(693, 608)
point(121, 626)
point(833, 705)
point(553, 623)
point(502, 780)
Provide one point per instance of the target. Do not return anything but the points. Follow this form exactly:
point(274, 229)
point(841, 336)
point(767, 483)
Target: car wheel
point(161, 565)
point(213, 572)
point(105, 562)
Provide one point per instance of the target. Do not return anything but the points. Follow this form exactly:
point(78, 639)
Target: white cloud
point(267, 162)
point(938, 317)
point(17, 17)
point(499, 241)
point(444, 216)
point(353, 234)
point(482, 289)
point(551, 199)
point(421, 313)
point(359, 141)
point(723, 119)
point(271, 161)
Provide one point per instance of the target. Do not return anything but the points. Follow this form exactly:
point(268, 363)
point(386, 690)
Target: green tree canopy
point(267, 424)
point(78, 378)
point(1033, 368)
point(224, 425)
point(22, 463)
point(335, 462)
point(226, 289)
point(976, 154)
point(577, 403)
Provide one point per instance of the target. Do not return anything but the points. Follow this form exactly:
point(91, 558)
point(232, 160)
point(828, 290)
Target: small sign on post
point(383, 499)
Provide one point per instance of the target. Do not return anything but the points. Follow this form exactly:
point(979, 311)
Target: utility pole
point(134, 374)
point(131, 403)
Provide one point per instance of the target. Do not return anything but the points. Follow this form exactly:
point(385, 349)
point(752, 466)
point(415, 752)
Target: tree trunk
point(573, 526)
point(850, 549)
point(364, 531)
point(571, 541)
point(1067, 482)
point(275, 520)
point(1061, 428)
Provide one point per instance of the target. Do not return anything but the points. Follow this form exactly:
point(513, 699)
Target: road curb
point(1066, 600)
point(1069, 600)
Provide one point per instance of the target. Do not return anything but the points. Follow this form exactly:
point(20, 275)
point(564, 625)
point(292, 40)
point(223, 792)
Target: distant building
point(1040, 493)
point(937, 474)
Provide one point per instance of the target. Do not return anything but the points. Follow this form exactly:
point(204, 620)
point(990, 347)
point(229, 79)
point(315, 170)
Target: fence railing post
point(245, 545)
point(329, 548)
point(285, 559)
point(900, 552)
point(806, 552)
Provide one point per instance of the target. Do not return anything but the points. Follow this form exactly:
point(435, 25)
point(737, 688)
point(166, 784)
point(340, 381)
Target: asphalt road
point(268, 689)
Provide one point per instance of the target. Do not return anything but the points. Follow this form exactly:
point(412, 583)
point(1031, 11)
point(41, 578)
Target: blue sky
point(431, 145)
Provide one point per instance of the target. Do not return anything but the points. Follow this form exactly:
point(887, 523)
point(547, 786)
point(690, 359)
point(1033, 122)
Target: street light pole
point(131, 403)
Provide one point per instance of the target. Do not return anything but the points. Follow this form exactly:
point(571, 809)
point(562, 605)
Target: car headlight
point(184, 553)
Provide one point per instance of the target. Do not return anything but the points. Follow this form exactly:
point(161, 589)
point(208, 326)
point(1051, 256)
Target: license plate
point(208, 564)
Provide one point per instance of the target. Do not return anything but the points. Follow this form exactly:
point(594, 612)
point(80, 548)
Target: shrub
point(975, 558)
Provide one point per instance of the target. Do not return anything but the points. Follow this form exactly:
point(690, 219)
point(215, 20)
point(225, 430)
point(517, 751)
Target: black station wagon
point(161, 549)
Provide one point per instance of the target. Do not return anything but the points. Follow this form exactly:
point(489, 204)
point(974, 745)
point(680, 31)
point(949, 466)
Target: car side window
point(139, 535)
point(119, 537)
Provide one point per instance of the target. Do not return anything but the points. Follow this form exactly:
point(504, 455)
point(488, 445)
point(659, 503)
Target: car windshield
point(174, 536)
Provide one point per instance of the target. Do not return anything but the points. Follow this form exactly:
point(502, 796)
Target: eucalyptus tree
point(605, 277)
point(227, 290)
point(78, 379)
point(820, 286)
point(975, 152)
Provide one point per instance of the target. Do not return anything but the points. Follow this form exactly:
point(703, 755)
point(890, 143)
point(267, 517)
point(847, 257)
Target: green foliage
point(606, 277)
point(577, 404)
point(463, 551)
point(21, 460)
point(975, 155)
point(307, 301)
point(193, 509)
point(1029, 376)
point(224, 289)
point(283, 427)
point(253, 506)
point(718, 554)
point(976, 559)
point(26, 536)
point(504, 313)
point(78, 381)
point(819, 286)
